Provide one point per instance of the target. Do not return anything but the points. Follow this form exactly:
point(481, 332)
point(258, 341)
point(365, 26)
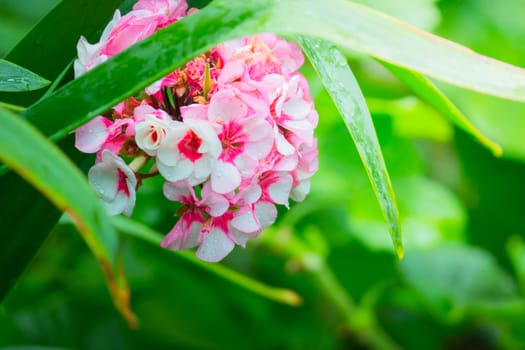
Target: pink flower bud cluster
point(231, 133)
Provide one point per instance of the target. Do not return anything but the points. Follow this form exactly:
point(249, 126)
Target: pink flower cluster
point(231, 133)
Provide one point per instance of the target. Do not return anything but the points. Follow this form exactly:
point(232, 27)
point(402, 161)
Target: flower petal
point(215, 246)
point(90, 137)
point(224, 177)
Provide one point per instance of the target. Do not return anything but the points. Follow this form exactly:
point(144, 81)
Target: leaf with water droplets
point(14, 78)
point(342, 86)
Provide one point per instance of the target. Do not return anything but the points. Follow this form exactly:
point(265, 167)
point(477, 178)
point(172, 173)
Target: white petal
point(280, 191)
point(90, 137)
point(117, 205)
point(202, 169)
point(246, 222)
point(216, 204)
point(178, 191)
point(300, 191)
point(131, 199)
point(215, 247)
point(266, 213)
point(241, 238)
point(297, 108)
point(224, 177)
point(283, 146)
point(249, 195)
point(104, 179)
point(180, 171)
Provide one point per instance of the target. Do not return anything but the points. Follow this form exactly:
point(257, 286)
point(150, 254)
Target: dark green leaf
point(349, 100)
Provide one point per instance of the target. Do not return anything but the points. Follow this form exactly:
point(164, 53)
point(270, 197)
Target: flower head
point(231, 133)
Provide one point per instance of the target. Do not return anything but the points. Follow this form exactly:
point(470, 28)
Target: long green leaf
point(281, 295)
point(357, 27)
point(28, 217)
point(14, 78)
point(342, 86)
point(430, 93)
point(350, 25)
point(55, 176)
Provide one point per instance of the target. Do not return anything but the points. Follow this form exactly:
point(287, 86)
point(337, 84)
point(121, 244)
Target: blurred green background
point(460, 285)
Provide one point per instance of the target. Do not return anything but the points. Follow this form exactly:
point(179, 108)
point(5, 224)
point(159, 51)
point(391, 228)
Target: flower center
point(189, 146)
point(232, 141)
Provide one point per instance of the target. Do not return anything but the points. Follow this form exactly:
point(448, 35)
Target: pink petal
point(231, 71)
point(215, 204)
point(179, 191)
point(195, 112)
point(225, 106)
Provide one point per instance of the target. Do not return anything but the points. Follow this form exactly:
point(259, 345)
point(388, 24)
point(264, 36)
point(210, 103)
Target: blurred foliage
point(460, 285)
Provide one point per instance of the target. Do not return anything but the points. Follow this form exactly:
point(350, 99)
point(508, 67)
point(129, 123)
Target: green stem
point(13, 108)
point(360, 321)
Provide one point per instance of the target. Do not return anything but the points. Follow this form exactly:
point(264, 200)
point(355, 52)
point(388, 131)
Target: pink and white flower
point(115, 183)
point(244, 138)
point(145, 19)
point(188, 152)
point(232, 132)
point(187, 231)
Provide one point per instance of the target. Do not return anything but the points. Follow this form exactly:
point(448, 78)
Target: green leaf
point(352, 26)
point(349, 100)
point(478, 282)
point(55, 176)
point(14, 78)
point(27, 220)
point(431, 94)
point(356, 27)
point(281, 295)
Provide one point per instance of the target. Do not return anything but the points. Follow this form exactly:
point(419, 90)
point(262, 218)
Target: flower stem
point(138, 162)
